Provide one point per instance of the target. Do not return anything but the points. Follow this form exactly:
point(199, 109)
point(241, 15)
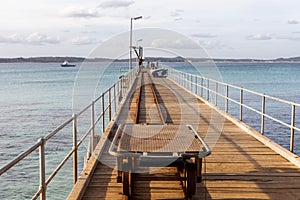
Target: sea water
point(35, 98)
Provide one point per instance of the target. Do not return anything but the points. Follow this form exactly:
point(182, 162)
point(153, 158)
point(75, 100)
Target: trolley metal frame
point(188, 161)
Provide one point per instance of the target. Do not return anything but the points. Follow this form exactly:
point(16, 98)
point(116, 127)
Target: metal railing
point(108, 100)
point(214, 91)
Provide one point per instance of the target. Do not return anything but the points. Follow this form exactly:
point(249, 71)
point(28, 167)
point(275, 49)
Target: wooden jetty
point(243, 164)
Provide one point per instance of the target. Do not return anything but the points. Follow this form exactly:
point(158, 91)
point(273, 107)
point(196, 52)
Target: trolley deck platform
point(138, 145)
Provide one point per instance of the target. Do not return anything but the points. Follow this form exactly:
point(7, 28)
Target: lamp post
point(130, 47)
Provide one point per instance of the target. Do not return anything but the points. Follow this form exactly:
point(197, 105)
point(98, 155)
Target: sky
point(262, 29)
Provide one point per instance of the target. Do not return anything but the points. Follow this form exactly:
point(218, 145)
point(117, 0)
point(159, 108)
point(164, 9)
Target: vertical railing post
point(121, 88)
point(128, 80)
point(226, 98)
point(216, 93)
point(191, 89)
point(263, 107)
point(115, 99)
point(292, 128)
point(74, 148)
point(179, 77)
point(241, 104)
point(196, 85)
point(103, 114)
point(201, 89)
point(186, 81)
point(42, 170)
point(184, 78)
point(207, 90)
point(109, 104)
point(92, 126)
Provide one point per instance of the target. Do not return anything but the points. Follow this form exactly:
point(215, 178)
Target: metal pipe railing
point(126, 80)
point(207, 90)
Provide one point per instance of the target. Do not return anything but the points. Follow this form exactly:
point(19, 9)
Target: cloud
point(85, 40)
point(205, 44)
point(176, 13)
point(80, 12)
point(116, 4)
point(40, 39)
point(178, 19)
point(15, 38)
point(293, 22)
point(259, 37)
point(292, 38)
point(204, 35)
point(174, 44)
point(32, 39)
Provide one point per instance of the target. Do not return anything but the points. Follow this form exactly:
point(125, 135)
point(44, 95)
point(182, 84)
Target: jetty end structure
point(158, 141)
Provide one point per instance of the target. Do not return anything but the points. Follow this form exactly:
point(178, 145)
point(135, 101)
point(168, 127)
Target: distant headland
point(148, 59)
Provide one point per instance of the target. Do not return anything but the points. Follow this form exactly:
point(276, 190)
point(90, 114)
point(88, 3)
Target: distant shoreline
point(147, 59)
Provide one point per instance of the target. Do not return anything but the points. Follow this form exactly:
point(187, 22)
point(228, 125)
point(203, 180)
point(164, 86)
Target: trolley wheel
point(190, 174)
point(126, 183)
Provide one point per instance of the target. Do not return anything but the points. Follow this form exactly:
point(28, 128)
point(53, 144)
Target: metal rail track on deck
point(146, 82)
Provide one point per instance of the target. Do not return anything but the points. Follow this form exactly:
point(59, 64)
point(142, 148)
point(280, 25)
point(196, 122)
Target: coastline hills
point(148, 59)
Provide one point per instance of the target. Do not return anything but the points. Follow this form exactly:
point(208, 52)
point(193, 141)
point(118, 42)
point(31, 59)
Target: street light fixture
point(137, 42)
point(130, 47)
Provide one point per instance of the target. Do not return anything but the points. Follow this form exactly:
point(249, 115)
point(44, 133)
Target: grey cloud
point(15, 38)
point(204, 35)
point(176, 13)
point(116, 4)
point(210, 44)
point(292, 38)
point(178, 19)
point(40, 39)
point(259, 37)
point(80, 12)
point(174, 44)
point(32, 39)
point(293, 22)
point(84, 40)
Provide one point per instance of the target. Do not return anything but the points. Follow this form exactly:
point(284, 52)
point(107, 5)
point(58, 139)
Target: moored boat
point(67, 64)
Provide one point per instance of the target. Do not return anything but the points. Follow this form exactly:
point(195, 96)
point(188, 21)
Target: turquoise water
point(35, 98)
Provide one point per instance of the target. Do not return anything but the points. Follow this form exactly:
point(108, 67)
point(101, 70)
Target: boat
point(67, 64)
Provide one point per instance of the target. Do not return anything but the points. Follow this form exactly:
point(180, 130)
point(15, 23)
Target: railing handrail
point(244, 89)
point(20, 157)
point(41, 143)
point(182, 78)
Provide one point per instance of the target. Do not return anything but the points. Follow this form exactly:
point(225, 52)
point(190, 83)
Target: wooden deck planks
point(240, 167)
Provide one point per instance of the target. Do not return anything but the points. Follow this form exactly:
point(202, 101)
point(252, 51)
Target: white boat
point(67, 64)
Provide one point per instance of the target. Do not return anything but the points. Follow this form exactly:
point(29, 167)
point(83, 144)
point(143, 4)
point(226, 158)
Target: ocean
point(35, 98)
